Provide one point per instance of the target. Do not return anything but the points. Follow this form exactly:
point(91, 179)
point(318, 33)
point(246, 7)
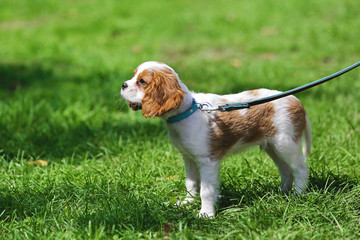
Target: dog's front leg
point(192, 180)
point(209, 173)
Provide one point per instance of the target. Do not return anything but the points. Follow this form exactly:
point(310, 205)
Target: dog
point(204, 138)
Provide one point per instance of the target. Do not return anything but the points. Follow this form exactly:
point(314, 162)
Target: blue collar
point(194, 106)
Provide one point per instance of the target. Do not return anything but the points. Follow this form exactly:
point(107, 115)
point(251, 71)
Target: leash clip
point(207, 107)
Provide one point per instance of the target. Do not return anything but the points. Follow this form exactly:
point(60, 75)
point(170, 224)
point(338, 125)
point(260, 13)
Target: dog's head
point(154, 88)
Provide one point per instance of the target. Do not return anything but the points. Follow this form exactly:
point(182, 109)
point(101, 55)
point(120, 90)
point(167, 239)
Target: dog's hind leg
point(291, 163)
point(300, 172)
point(287, 178)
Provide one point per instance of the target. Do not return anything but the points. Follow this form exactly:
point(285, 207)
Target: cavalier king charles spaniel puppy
point(204, 137)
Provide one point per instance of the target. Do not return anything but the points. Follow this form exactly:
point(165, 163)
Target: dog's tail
point(307, 139)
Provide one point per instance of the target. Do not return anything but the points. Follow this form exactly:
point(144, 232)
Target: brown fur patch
point(162, 92)
point(231, 127)
point(297, 115)
point(147, 75)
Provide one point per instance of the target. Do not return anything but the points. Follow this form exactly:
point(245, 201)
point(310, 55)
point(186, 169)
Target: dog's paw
point(298, 194)
point(209, 214)
point(184, 202)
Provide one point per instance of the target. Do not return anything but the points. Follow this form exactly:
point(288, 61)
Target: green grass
point(113, 174)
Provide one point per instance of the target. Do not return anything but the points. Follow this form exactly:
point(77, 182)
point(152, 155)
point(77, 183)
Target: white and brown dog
point(204, 138)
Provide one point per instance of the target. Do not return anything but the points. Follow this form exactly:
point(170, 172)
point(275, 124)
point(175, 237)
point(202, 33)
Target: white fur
point(191, 137)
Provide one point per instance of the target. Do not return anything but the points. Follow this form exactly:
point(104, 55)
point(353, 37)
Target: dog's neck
point(186, 103)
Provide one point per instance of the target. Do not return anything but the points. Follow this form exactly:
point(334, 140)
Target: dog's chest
point(190, 141)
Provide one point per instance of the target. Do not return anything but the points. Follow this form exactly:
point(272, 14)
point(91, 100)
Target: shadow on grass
point(56, 137)
point(240, 192)
point(327, 181)
point(235, 193)
point(16, 76)
point(78, 141)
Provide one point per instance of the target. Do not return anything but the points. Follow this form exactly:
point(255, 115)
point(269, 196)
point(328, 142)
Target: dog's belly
point(240, 146)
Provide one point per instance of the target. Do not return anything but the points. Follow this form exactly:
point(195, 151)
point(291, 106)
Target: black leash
point(240, 105)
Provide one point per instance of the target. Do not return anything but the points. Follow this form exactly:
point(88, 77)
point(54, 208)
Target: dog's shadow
point(241, 192)
point(234, 193)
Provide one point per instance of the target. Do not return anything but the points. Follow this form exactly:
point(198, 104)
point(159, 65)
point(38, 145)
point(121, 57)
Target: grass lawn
point(113, 174)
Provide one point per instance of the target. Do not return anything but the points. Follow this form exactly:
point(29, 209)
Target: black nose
point(124, 86)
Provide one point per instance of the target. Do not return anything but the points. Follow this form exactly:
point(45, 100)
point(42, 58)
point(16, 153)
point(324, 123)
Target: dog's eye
point(142, 81)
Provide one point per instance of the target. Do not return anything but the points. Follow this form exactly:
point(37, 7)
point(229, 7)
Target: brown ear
point(163, 94)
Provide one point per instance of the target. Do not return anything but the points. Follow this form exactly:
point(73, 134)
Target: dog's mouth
point(135, 106)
